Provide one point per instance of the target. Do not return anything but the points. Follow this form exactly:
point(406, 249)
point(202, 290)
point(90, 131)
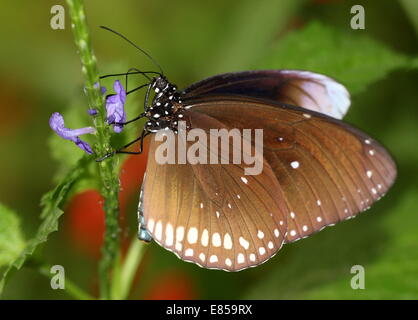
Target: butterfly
point(317, 170)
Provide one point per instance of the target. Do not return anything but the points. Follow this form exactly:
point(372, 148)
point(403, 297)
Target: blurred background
point(40, 74)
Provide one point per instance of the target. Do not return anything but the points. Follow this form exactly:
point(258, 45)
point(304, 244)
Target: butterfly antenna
point(136, 46)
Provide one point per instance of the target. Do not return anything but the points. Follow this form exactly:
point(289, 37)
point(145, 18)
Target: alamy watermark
point(57, 21)
point(58, 279)
point(358, 280)
point(205, 147)
point(358, 20)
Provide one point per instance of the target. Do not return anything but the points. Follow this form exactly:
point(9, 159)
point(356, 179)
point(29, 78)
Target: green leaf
point(11, 238)
point(383, 241)
point(394, 274)
point(51, 203)
point(411, 9)
point(242, 41)
point(352, 58)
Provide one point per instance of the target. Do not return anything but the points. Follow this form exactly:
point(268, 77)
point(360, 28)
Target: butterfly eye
point(161, 83)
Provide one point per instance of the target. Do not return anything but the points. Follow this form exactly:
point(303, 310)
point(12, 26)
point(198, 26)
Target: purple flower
point(115, 107)
point(96, 85)
point(56, 122)
point(92, 111)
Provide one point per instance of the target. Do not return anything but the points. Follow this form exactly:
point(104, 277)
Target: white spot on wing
point(151, 224)
point(240, 258)
point(189, 252)
point(295, 164)
point(213, 258)
point(227, 241)
point(159, 230)
point(216, 239)
point(179, 233)
point(244, 243)
point(245, 180)
point(205, 238)
point(192, 235)
point(202, 257)
point(276, 233)
point(169, 234)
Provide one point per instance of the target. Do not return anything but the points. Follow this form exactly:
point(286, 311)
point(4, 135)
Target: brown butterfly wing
point(306, 89)
point(327, 170)
point(213, 215)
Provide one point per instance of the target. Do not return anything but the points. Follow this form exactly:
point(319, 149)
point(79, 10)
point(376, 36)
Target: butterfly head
point(160, 85)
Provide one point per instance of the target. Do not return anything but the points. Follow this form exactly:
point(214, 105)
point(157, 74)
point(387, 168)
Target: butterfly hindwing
point(213, 214)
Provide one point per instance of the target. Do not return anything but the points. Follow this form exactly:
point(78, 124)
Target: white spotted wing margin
point(213, 214)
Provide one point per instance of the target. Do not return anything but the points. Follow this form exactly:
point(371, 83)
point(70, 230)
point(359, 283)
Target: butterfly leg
point(142, 115)
point(143, 234)
point(121, 150)
point(141, 146)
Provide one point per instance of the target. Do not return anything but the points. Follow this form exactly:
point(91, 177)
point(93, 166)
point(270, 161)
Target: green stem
point(107, 169)
point(70, 287)
point(129, 268)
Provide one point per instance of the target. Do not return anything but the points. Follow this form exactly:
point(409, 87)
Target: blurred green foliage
point(357, 60)
point(51, 204)
point(191, 40)
point(11, 238)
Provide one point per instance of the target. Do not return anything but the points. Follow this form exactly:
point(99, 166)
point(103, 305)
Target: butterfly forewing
point(214, 214)
point(327, 170)
point(309, 90)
